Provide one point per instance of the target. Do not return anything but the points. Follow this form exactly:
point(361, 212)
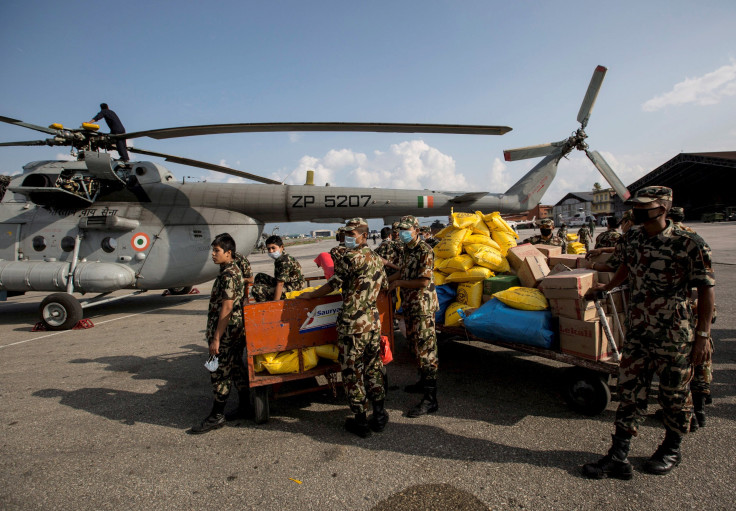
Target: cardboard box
point(601, 258)
point(559, 268)
point(604, 277)
point(583, 339)
point(532, 270)
point(571, 284)
point(499, 283)
point(569, 260)
point(549, 250)
point(517, 254)
point(573, 308)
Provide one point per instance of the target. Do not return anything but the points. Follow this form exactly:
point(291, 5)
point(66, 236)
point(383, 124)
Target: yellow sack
point(294, 294)
point(444, 232)
point(438, 263)
point(483, 255)
point(451, 245)
point(480, 239)
point(328, 351)
point(575, 248)
point(571, 237)
point(258, 362)
point(452, 318)
point(439, 278)
point(288, 361)
point(463, 262)
point(504, 240)
point(497, 223)
point(473, 274)
point(481, 227)
point(470, 293)
point(464, 220)
point(524, 298)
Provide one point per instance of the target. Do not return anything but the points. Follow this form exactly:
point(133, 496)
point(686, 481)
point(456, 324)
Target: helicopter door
point(9, 242)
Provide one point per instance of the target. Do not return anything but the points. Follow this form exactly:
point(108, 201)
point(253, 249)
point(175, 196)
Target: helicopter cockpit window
point(39, 243)
point(109, 244)
point(67, 243)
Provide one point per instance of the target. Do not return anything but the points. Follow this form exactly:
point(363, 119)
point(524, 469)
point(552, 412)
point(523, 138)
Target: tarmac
point(97, 419)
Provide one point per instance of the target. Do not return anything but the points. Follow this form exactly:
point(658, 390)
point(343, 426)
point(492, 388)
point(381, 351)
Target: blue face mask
point(350, 242)
point(405, 236)
point(274, 255)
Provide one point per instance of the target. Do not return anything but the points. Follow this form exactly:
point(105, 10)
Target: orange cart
point(295, 324)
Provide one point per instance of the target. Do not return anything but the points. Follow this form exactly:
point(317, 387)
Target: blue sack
point(445, 295)
point(496, 321)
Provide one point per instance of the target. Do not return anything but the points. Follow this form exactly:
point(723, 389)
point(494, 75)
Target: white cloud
point(65, 157)
point(708, 89)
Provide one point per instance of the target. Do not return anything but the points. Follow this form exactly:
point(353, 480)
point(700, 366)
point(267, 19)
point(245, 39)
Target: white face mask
point(274, 255)
point(212, 363)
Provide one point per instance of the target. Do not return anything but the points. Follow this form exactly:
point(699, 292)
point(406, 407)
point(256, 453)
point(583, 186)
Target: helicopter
point(97, 225)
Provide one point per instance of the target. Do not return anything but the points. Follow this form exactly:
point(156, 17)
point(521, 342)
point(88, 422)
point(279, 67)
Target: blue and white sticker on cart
point(322, 316)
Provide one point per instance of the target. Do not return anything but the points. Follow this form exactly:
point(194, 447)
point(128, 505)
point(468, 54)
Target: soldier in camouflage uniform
point(338, 251)
point(610, 236)
point(361, 278)
point(662, 264)
point(702, 374)
point(390, 251)
point(546, 237)
point(562, 232)
point(585, 237)
point(419, 301)
point(287, 274)
point(225, 333)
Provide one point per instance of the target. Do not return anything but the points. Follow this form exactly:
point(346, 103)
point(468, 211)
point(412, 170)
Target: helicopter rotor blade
point(205, 165)
point(262, 127)
point(25, 143)
point(8, 120)
point(591, 94)
point(532, 151)
point(608, 173)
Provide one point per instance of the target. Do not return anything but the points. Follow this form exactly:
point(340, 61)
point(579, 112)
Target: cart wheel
point(586, 391)
point(185, 290)
point(261, 408)
point(60, 311)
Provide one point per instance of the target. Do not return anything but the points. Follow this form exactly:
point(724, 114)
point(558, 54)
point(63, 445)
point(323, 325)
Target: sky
point(670, 87)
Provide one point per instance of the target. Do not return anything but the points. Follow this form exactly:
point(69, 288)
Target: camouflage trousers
point(263, 288)
point(640, 360)
point(422, 338)
point(231, 370)
point(702, 376)
point(363, 374)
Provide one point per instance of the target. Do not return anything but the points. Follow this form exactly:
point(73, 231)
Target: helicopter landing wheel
point(185, 290)
point(60, 311)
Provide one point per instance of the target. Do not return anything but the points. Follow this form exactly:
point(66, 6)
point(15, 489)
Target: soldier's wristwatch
point(701, 333)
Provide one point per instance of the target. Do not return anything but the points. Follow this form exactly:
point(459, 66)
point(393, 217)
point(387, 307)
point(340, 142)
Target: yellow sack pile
point(452, 317)
point(524, 298)
point(328, 351)
point(496, 223)
point(462, 262)
point(294, 294)
point(439, 278)
point(571, 237)
point(470, 294)
point(473, 274)
point(481, 239)
point(488, 257)
point(451, 244)
point(288, 361)
point(575, 247)
point(464, 220)
point(504, 240)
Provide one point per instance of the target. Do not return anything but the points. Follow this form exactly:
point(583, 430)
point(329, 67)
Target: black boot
point(215, 420)
point(244, 409)
point(699, 409)
point(667, 456)
point(379, 419)
point(415, 388)
point(358, 425)
point(615, 463)
point(428, 404)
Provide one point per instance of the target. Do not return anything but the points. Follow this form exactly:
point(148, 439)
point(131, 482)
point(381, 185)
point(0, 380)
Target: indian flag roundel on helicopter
point(425, 201)
point(140, 241)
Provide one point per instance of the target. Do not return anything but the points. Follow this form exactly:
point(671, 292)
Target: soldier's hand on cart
point(215, 347)
point(593, 252)
point(596, 292)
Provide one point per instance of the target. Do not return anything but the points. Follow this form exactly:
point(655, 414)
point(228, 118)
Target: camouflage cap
point(355, 223)
point(650, 194)
point(547, 222)
point(408, 221)
point(628, 216)
point(677, 212)
point(395, 226)
point(341, 229)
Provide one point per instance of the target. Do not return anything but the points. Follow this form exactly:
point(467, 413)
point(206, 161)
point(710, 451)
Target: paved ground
point(96, 419)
